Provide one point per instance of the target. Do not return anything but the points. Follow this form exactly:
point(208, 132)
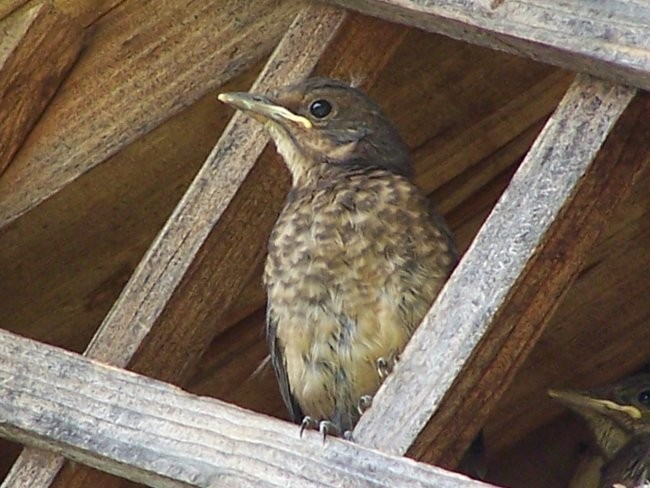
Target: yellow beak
point(576, 399)
point(262, 108)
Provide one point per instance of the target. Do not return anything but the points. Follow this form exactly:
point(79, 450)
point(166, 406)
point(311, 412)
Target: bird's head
point(322, 123)
point(615, 412)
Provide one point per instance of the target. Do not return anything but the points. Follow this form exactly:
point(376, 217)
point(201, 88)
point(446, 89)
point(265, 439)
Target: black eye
point(644, 398)
point(320, 108)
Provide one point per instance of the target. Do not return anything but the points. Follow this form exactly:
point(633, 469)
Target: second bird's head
point(322, 123)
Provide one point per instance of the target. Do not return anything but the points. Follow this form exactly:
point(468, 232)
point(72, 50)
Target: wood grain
point(609, 41)
point(37, 49)
point(7, 7)
point(63, 265)
point(593, 338)
point(146, 61)
point(152, 432)
point(170, 265)
point(83, 12)
point(497, 302)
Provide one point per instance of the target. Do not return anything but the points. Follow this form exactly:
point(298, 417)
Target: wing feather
point(280, 366)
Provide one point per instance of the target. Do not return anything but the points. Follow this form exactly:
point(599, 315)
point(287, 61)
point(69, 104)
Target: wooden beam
point(145, 64)
point(609, 40)
point(608, 296)
point(154, 433)
point(7, 7)
point(82, 12)
point(167, 295)
point(498, 300)
point(37, 49)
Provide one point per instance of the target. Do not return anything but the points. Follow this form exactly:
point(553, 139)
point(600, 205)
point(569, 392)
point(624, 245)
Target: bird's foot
point(364, 404)
point(325, 427)
point(385, 366)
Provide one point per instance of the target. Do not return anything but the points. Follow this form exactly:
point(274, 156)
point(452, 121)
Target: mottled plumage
point(357, 255)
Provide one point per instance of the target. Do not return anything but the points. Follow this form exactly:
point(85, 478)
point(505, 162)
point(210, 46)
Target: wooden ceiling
point(132, 123)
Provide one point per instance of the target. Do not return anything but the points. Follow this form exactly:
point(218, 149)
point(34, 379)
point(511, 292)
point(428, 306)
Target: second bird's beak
point(263, 109)
point(578, 400)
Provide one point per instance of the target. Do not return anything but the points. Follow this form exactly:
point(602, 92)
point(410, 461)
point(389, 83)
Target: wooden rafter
point(166, 296)
point(37, 48)
point(149, 66)
point(497, 302)
point(185, 326)
point(608, 39)
point(152, 432)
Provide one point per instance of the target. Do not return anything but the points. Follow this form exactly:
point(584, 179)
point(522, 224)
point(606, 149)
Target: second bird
point(356, 257)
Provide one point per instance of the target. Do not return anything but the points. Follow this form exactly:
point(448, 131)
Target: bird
point(356, 257)
point(629, 467)
point(618, 416)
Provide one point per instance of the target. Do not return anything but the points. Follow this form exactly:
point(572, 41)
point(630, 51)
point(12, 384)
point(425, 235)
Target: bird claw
point(325, 427)
point(385, 366)
point(364, 404)
point(307, 422)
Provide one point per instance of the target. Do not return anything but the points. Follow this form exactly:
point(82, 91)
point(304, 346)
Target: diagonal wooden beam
point(607, 39)
point(185, 302)
point(134, 323)
point(149, 62)
point(500, 297)
point(154, 433)
point(191, 314)
point(37, 49)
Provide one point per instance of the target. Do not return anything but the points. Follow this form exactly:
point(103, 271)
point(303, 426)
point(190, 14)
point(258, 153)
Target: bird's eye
point(320, 108)
point(644, 398)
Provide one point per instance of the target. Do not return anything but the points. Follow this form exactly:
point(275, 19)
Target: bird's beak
point(263, 109)
point(581, 401)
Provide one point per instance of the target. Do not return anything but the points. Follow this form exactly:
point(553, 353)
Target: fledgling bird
point(619, 418)
point(356, 257)
point(629, 467)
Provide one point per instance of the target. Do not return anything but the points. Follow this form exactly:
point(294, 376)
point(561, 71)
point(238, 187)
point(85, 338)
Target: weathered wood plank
point(171, 278)
point(593, 337)
point(85, 12)
point(497, 302)
point(82, 12)
point(152, 432)
point(608, 39)
point(37, 49)
point(7, 7)
point(147, 60)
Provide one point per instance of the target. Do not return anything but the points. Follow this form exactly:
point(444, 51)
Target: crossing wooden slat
point(146, 61)
point(155, 433)
point(498, 300)
point(132, 333)
point(608, 40)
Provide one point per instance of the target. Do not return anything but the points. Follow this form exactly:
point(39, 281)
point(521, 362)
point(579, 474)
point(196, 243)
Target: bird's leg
point(307, 422)
point(364, 403)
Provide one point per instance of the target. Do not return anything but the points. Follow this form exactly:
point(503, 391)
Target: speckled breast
point(355, 261)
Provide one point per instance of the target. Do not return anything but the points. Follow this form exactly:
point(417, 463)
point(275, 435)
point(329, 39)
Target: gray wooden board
point(606, 38)
point(492, 272)
point(154, 433)
point(130, 322)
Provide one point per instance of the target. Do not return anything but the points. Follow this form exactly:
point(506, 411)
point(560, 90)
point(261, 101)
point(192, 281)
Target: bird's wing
point(280, 366)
